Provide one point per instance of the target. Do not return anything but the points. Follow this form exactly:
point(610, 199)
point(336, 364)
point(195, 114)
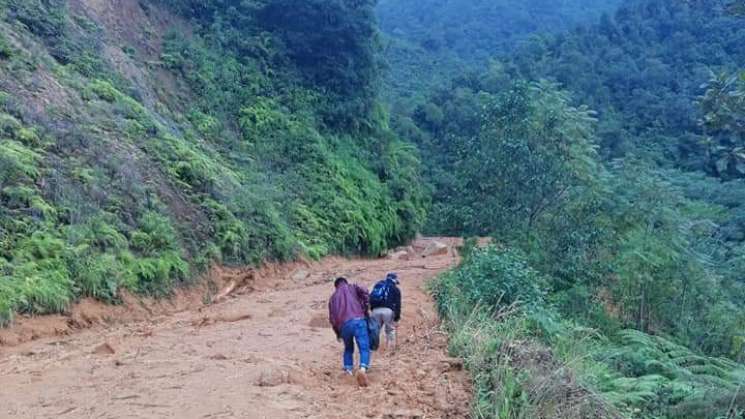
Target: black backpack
point(379, 294)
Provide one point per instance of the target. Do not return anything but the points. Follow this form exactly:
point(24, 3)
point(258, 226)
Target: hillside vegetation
point(144, 141)
point(606, 162)
point(630, 272)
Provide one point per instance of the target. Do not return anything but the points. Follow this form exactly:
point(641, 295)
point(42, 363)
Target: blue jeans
point(356, 329)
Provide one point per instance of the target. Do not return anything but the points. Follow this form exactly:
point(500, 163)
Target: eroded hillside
point(143, 141)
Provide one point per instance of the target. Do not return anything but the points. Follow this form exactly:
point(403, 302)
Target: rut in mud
point(266, 352)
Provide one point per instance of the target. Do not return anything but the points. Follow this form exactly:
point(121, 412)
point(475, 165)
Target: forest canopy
point(606, 160)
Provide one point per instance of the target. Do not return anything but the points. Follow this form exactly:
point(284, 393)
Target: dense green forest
point(427, 42)
point(215, 132)
point(643, 69)
point(607, 163)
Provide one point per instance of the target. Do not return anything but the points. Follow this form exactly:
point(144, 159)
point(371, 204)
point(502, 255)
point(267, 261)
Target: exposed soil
point(263, 351)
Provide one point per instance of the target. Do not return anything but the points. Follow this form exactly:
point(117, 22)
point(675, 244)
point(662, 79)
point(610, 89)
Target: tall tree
point(334, 43)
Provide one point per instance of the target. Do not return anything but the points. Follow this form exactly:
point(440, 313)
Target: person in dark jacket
point(386, 308)
point(348, 308)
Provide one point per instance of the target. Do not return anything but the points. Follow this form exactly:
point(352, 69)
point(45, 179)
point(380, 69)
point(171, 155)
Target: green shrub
point(88, 63)
point(156, 234)
point(192, 168)
point(262, 119)
point(104, 90)
point(206, 125)
point(158, 276)
point(45, 18)
point(638, 375)
point(9, 125)
point(28, 137)
point(97, 233)
point(45, 288)
point(44, 284)
point(8, 304)
point(101, 277)
point(6, 50)
point(19, 163)
point(230, 233)
point(496, 277)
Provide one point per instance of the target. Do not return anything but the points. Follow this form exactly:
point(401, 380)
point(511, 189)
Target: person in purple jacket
point(348, 309)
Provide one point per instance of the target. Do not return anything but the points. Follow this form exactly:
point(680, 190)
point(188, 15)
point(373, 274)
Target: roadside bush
point(157, 276)
point(7, 300)
point(44, 284)
point(102, 276)
point(496, 277)
point(525, 358)
point(504, 347)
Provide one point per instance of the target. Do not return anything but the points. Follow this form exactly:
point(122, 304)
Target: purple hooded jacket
point(348, 302)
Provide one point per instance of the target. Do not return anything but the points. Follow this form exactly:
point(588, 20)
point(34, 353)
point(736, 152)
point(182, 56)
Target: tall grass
point(528, 361)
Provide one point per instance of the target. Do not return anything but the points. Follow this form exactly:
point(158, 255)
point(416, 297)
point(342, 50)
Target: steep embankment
point(267, 352)
point(144, 141)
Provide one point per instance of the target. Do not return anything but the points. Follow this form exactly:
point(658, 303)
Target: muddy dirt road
point(264, 352)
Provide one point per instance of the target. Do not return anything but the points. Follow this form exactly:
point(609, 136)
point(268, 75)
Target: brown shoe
point(362, 378)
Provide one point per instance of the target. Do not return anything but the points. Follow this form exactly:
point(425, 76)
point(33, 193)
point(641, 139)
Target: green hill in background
point(428, 42)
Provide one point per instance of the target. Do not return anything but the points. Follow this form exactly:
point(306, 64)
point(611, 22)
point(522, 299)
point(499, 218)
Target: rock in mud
point(435, 249)
point(235, 317)
point(404, 414)
point(272, 377)
point(277, 375)
point(277, 312)
point(319, 321)
point(300, 275)
point(104, 349)
point(453, 364)
point(402, 253)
